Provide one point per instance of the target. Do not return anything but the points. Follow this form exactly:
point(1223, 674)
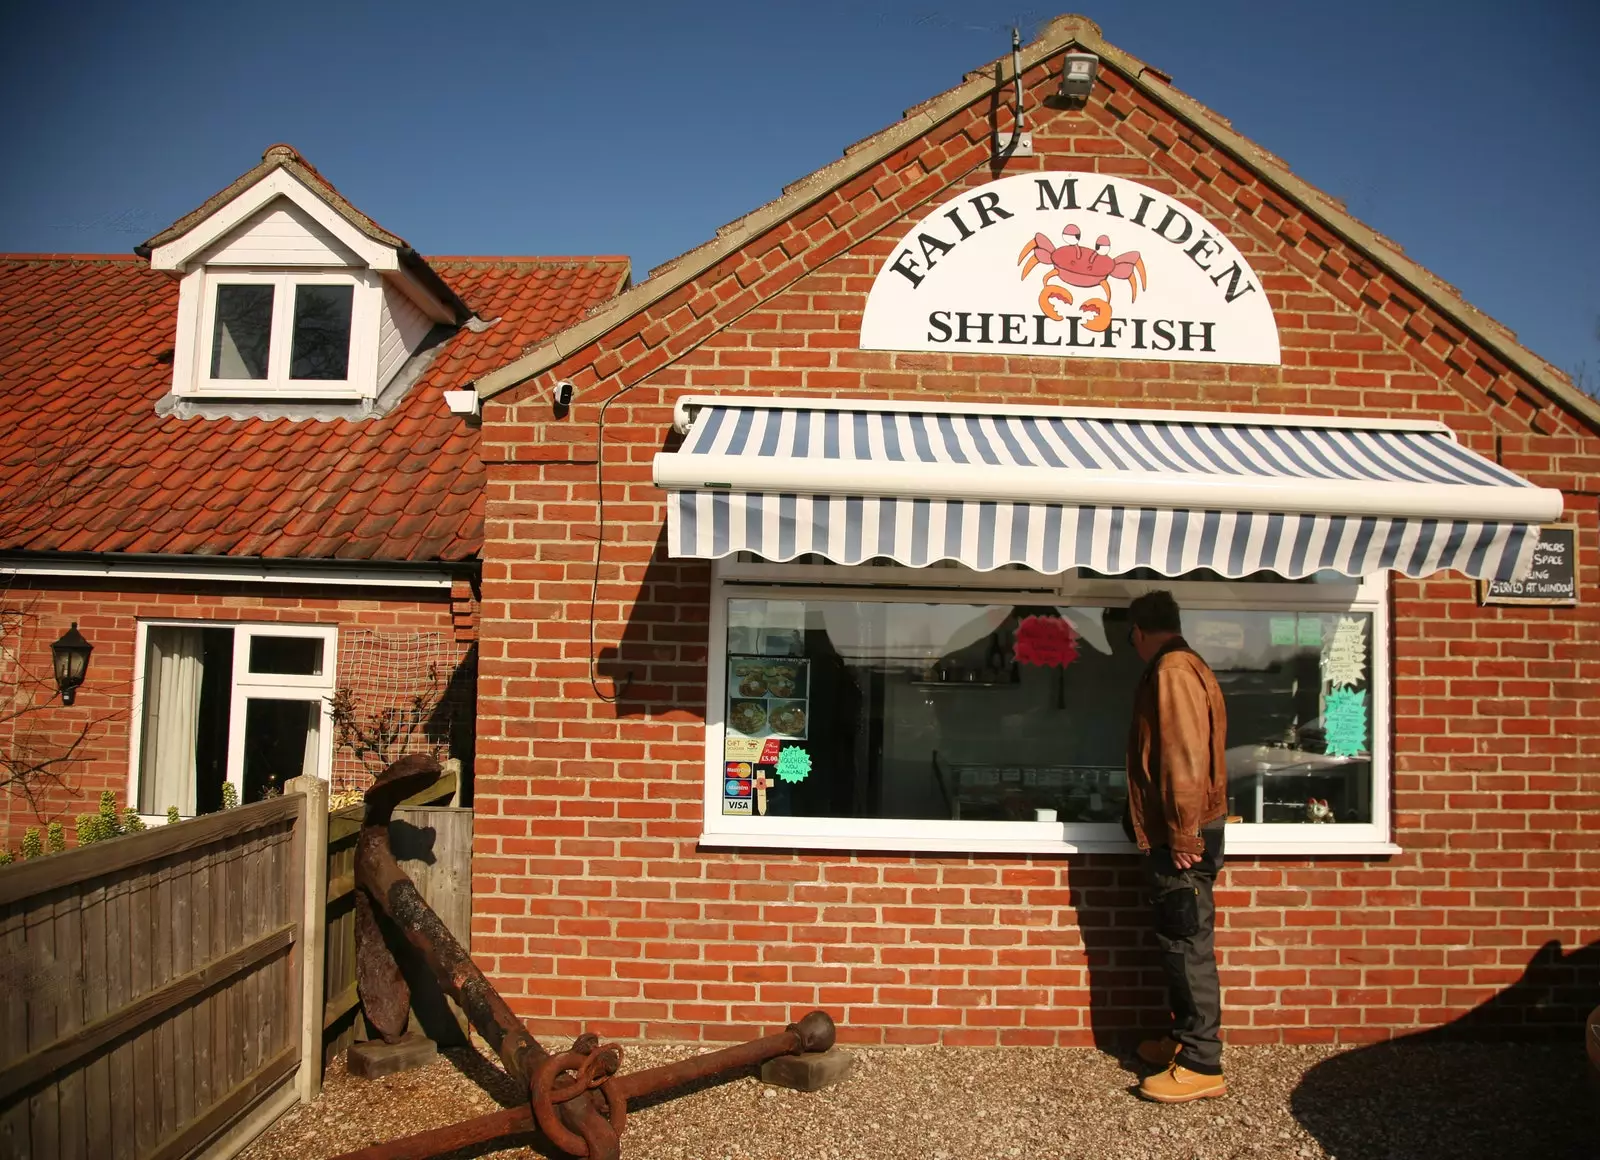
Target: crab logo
point(1074, 264)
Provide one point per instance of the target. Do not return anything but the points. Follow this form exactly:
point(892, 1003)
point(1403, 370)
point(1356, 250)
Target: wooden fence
point(153, 986)
point(433, 844)
point(170, 993)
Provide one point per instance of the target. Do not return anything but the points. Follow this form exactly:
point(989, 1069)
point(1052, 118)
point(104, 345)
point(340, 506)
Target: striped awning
point(1110, 490)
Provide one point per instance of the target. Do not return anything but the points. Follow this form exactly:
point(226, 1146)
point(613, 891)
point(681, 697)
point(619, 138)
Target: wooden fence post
point(313, 933)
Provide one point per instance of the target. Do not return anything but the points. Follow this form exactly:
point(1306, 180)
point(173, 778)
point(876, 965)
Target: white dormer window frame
point(347, 257)
point(201, 291)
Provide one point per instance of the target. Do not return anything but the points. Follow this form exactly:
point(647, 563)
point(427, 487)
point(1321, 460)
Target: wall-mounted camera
point(564, 393)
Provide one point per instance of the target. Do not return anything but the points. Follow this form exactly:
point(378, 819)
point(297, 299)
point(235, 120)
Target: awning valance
point(1111, 490)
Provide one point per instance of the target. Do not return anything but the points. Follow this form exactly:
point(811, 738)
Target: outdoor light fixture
point(1078, 70)
point(70, 656)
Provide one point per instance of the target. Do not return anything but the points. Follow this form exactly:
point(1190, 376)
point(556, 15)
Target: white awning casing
point(1110, 490)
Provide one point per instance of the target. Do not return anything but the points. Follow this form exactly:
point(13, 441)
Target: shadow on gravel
point(1507, 1080)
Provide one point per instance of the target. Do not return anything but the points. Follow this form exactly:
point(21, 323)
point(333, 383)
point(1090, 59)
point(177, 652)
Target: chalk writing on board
point(1552, 574)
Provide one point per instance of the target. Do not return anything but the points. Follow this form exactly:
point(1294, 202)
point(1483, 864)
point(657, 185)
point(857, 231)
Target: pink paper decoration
point(1046, 641)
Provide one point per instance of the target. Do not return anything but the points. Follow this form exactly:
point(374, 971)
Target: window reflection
point(912, 710)
point(321, 344)
point(242, 335)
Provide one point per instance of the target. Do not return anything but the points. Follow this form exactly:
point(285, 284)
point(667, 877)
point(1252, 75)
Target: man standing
point(1177, 804)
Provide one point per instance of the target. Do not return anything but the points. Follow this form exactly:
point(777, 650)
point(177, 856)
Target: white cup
point(1044, 815)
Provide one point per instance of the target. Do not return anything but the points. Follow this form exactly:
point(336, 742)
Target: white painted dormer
point(287, 293)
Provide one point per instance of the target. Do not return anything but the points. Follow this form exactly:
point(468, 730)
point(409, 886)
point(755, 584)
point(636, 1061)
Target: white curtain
point(308, 766)
point(172, 677)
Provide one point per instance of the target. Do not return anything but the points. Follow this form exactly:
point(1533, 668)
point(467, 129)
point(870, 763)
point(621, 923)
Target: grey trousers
point(1185, 919)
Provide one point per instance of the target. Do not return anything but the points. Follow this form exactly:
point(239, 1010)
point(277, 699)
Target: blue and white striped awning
point(1110, 490)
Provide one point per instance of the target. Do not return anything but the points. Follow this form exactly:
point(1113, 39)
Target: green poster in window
point(1344, 723)
point(1282, 629)
point(794, 764)
point(1311, 631)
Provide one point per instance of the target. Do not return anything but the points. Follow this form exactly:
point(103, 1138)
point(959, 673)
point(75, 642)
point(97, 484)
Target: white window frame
point(244, 685)
point(365, 304)
point(743, 579)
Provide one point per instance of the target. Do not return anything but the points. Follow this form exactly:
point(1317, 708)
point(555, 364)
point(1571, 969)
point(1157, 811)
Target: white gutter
point(286, 573)
point(1011, 484)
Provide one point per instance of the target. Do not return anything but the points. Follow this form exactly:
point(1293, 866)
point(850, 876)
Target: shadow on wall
point(659, 665)
point(1463, 1090)
point(1126, 990)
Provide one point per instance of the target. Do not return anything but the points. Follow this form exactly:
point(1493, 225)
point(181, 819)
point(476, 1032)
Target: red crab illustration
point(1074, 264)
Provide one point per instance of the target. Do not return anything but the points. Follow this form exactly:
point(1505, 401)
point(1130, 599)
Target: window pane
point(299, 656)
point(242, 335)
point(910, 710)
point(998, 712)
point(280, 742)
point(321, 347)
point(1299, 691)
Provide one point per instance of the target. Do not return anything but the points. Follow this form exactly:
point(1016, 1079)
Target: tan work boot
point(1159, 1052)
point(1179, 1085)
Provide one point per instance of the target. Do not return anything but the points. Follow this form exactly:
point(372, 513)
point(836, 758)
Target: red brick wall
point(108, 617)
point(595, 908)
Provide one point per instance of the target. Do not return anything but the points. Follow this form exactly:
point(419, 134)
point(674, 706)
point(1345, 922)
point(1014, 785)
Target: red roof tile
point(86, 464)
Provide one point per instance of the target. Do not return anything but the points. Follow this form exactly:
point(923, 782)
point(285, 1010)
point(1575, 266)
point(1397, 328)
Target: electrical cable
point(1004, 155)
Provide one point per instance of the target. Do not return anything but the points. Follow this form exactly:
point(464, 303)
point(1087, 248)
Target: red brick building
point(886, 540)
point(233, 463)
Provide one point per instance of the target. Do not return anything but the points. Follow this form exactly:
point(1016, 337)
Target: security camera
point(563, 394)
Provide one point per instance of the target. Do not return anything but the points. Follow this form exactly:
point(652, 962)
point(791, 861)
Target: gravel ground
point(1411, 1099)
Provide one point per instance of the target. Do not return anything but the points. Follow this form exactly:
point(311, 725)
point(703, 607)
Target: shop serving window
point(991, 721)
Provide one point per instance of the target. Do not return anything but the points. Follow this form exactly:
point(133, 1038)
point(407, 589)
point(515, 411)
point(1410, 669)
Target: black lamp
point(70, 656)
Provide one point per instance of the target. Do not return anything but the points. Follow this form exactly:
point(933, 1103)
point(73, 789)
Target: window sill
point(1033, 838)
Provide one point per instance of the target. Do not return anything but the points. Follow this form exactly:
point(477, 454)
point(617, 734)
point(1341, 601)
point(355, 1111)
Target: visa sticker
point(736, 806)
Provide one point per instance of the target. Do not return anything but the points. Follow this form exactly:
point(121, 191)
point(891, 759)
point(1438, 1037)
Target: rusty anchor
point(577, 1098)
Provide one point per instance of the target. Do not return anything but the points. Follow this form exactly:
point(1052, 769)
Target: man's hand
point(1183, 861)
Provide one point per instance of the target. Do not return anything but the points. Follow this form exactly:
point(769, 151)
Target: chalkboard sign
point(1553, 579)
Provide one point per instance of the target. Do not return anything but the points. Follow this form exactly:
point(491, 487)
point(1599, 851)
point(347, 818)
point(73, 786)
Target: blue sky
point(1469, 132)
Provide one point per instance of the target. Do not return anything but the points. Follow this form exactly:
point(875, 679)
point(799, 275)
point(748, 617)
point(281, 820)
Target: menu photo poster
point(1552, 580)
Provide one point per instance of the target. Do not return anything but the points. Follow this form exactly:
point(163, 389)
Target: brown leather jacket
point(1177, 771)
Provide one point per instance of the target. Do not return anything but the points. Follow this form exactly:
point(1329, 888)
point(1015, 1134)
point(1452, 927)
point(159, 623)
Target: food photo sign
point(768, 704)
point(1073, 265)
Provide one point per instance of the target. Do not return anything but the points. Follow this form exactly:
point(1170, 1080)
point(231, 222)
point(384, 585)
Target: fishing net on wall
point(399, 693)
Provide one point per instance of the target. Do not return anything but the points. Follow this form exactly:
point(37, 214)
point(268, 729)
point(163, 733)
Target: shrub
point(32, 846)
point(172, 814)
point(230, 796)
point(55, 838)
point(5, 857)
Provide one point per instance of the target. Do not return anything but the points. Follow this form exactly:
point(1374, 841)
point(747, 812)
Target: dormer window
point(288, 294)
point(291, 333)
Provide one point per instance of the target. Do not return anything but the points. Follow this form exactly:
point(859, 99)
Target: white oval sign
point(1074, 265)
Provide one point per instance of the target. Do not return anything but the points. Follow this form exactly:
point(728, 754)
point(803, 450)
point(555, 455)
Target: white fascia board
point(285, 573)
point(408, 284)
point(1004, 483)
point(682, 416)
point(176, 254)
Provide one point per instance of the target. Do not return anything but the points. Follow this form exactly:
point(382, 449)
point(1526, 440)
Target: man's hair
point(1155, 612)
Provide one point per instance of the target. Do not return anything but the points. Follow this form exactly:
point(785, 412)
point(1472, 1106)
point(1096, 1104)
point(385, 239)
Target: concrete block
point(376, 1058)
point(810, 1071)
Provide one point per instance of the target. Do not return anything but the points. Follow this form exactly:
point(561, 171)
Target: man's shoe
point(1179, 1085)
point(1159, 1052)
